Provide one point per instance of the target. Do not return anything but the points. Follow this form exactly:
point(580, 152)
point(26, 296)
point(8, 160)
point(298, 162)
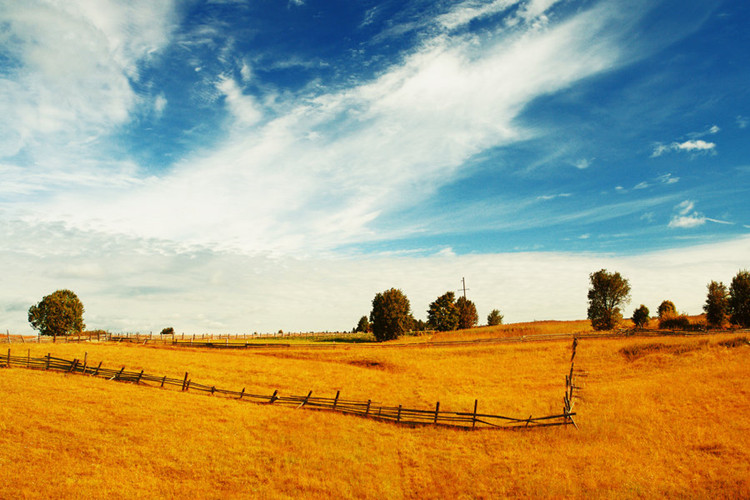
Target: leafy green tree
point(363, 325)
point(167, 331)
point(640, 316)
point(739, 299)
point(494, 318)
point(443, 313)
point(467, 313)
point(391, 315)
point(60, 313)
point(667, 310)
point(717, 304)
point(607, 293)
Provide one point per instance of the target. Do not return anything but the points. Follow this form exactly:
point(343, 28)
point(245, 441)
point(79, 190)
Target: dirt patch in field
point(368, 363)
point(638, 351)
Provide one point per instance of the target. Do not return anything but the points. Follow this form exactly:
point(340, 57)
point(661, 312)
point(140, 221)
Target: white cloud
point(583, 163)
point(697, 145)
point(691, 146)
point(685, 207)
point(742, 121)
point(687, 221)
point(67, 86)
point(244, 107)
point(316, 176)
point(641, 185)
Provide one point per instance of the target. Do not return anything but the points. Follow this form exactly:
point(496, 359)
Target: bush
point(667, 310)
point(391, 315)
point(680, 322)
point(494, 318)
point(640, 316)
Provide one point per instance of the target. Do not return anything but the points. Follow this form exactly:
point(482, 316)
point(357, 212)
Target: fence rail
point(368, 409)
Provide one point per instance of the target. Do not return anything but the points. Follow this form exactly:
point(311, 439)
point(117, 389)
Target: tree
point(717, 303)
point(607, 293)
point(467, 313)
point(667, 310)
point(739, 299)
point(167, 331)
point(60, 313)
point(391, 315)
point(443, 313)
point(640, 316)
point(363, 325)
point(494, 318)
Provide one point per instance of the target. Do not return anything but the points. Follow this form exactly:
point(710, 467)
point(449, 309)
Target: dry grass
point(673, 420)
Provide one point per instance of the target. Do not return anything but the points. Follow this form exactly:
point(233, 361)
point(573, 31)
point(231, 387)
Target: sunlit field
point(660, 416)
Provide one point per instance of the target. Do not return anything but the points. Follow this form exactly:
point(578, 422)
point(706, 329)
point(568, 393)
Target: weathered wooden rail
point(368, 409)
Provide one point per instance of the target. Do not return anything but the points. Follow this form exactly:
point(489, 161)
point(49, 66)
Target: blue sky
point(250, 166)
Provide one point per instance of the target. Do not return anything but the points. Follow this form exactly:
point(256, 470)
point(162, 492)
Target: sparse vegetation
point(60, 313)
point(607, 293)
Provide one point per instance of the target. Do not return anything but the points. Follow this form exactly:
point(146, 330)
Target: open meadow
point(658, 416)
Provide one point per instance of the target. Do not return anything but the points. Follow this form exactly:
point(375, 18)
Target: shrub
point(640, 316)
point(494, 318)
point(680, 322)
point(667, 310)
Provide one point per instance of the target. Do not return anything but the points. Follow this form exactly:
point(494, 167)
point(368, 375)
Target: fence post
point(184, 381)
point(242, 393)
point(117, 377)
point(28, 359)
point(97, 369)
point(437, 410)
point(48, 356)
point(367, 412)
point(163, 380)
point(273, 397)
point(8, 357)
point(398, 417)
point(336, 401)
point(138, 381)
point(474, 417)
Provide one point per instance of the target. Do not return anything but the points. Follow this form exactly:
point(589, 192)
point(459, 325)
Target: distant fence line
point(368, 409)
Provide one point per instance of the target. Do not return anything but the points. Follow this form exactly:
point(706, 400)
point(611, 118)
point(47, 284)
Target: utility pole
point(463, 282)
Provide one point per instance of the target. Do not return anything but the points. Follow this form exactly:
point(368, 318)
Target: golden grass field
point(667, 416)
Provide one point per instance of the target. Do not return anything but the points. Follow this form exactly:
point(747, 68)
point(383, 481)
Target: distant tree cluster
point(608, 291)
point(391, 315)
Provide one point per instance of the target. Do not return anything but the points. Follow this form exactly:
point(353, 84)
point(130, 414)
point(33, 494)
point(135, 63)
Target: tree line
point(391, 315)
point(61, 313)
point(608, 292)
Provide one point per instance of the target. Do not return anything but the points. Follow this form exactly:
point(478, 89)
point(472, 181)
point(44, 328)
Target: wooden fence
point(369, 409)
